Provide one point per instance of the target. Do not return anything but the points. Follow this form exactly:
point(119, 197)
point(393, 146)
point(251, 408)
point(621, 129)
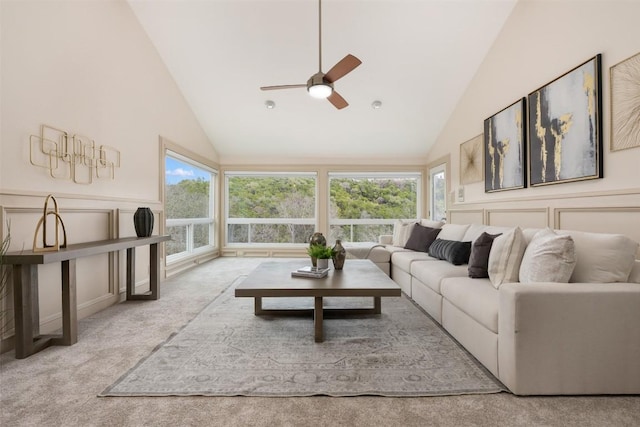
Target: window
point(438, 193)
point(364, 206)
point(270, 208)
point(189, 206)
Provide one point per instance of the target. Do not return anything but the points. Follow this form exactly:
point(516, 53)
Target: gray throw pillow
point(421, 238)
point(479, 258)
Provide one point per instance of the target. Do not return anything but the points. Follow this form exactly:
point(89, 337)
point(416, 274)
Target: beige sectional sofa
point(541, 338)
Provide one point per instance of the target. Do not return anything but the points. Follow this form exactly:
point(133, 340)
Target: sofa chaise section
point(570, 338)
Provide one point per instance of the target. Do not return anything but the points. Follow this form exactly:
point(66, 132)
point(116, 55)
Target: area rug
point(228, 351)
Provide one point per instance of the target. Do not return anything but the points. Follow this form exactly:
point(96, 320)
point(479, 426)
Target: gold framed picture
point(471, 161)
point(625, 104)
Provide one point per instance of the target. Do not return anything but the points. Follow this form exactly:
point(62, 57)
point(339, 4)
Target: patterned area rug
point(227, 351)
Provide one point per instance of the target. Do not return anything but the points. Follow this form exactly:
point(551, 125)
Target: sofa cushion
point(401, 232)
point(403, 259)
point(457, 253)
point(394, 249)
point(373, 251)
point(475, 297)
point(479, 258)
point(634, 277)
point(505, 257)
point(549, 257)
point(385, 239)
point(431, 223)
point(528, 234)
point(453, 231)
point(421, 238)
point(432, 273)
point(475, 230)
point(602, 258)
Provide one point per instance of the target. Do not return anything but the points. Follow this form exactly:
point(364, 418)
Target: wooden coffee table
point(359, 278)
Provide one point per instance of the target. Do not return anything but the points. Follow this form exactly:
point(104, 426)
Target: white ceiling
point(418, 56)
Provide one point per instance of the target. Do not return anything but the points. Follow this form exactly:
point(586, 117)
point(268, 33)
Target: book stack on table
point(309, 271)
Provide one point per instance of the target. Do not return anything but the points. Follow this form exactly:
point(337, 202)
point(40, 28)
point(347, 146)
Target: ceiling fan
point(320, 85)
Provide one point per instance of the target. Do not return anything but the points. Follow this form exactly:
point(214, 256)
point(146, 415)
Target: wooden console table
point(25, 287)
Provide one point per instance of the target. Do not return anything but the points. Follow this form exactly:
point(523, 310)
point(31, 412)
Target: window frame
point(268, 174)
point(418, 175)
point(213, 246)
point(438, 165)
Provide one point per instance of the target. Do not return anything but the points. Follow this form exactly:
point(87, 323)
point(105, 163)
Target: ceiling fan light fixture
point(320, 91)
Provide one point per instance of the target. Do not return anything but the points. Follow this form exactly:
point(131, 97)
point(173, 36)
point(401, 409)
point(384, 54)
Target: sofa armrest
point(569, 338)
point(385, 239)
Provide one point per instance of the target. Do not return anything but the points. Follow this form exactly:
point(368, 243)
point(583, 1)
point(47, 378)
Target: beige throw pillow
point(601, 257)
point(505, 257)
point(549, 257)
point(453, 232)
point(401, 232)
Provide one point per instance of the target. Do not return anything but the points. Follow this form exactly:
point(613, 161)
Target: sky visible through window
point(176, 171)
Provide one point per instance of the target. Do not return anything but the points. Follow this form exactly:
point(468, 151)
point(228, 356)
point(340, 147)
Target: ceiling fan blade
point(282, 87)
point(337, 100)
point(343, 67)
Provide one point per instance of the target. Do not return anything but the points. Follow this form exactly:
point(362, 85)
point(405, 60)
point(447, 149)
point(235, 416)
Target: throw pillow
point(505, 257)
point(421, 238)
point(453, 231)
point(479, 258)
point(457, 253)
point(602, 258)
point(549, 257)
point(401, 232)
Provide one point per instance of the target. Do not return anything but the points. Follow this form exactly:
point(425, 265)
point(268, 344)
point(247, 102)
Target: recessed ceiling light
point(376, 105)
point(270, 104)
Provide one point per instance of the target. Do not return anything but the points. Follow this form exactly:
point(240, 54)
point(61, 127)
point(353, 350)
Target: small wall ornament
point(74, 157)
point(43, 223)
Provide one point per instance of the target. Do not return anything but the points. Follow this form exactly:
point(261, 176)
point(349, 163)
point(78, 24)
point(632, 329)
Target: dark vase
point(143, 221)
point(317, 239)
point(339, 255)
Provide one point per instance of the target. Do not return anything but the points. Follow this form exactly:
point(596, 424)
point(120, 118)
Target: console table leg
point(69, 303)
point(318, 315)
point(26, 308)
point(131, 272)
point(154, 271)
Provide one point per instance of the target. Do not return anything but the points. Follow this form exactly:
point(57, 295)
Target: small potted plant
point(320, 255)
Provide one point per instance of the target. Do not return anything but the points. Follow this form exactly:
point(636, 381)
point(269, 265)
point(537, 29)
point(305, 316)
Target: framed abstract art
point(471, 161)
point(625, 104)
point(505, 149)
point(565, 127)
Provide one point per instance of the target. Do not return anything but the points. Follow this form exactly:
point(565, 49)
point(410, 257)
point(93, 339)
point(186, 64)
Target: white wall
point(86, 67)
point(542, 40)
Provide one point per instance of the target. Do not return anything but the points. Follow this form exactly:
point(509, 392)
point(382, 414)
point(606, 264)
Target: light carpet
point(228, 351)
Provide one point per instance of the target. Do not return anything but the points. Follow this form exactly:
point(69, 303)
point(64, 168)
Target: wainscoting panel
point(464, 216)
point(524, 218)
point(620, 220)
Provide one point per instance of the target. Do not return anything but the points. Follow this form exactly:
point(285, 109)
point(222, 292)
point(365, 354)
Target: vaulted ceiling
point(418, 56)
